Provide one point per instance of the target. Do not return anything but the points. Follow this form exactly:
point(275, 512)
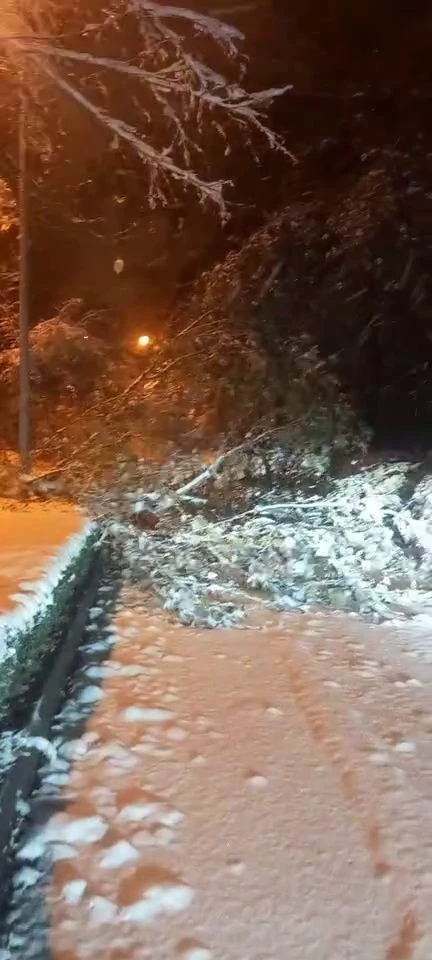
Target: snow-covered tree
point(175, 95)
point(8, 278)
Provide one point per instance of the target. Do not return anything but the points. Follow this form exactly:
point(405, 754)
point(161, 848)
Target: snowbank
point(29, 633)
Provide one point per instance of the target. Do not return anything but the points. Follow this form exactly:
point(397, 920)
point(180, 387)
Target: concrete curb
point(20, 779)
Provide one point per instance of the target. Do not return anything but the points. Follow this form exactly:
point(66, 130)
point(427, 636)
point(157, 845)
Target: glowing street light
point(144, 341)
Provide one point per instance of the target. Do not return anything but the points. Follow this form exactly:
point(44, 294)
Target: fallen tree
point(364, 545)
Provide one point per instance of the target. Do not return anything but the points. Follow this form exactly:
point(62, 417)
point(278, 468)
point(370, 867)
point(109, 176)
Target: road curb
point(20, 779)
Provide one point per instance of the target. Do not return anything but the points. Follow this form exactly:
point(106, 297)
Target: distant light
point(144, 341)
point(118, 266)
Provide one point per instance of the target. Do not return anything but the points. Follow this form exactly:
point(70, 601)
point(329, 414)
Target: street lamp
point(143, 341)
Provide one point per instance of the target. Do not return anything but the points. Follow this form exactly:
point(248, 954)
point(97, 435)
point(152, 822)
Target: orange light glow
point(144, 341)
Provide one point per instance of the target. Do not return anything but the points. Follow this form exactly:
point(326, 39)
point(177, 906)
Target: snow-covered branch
point(175, 95)
point(213, 468)
point(158, 161)
point(224, 34)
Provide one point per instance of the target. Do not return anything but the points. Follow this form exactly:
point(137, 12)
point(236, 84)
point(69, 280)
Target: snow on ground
point(30, 538)
point(249, 794)
point(37, 544)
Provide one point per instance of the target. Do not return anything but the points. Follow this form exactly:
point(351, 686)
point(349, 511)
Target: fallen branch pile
point(363, 545)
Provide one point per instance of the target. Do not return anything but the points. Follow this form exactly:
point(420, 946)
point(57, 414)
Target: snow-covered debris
point(365, 547)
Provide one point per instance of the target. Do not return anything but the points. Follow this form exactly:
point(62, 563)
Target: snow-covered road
point(254, 794)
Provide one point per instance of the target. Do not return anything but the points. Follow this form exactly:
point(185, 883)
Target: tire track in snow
point(333, 740)
point(353, 744)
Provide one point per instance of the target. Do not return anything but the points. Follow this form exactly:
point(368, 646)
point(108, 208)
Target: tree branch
point(211, 470)
point(206, 190)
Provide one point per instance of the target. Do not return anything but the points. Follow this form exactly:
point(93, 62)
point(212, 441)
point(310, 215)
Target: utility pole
point(24, 346)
